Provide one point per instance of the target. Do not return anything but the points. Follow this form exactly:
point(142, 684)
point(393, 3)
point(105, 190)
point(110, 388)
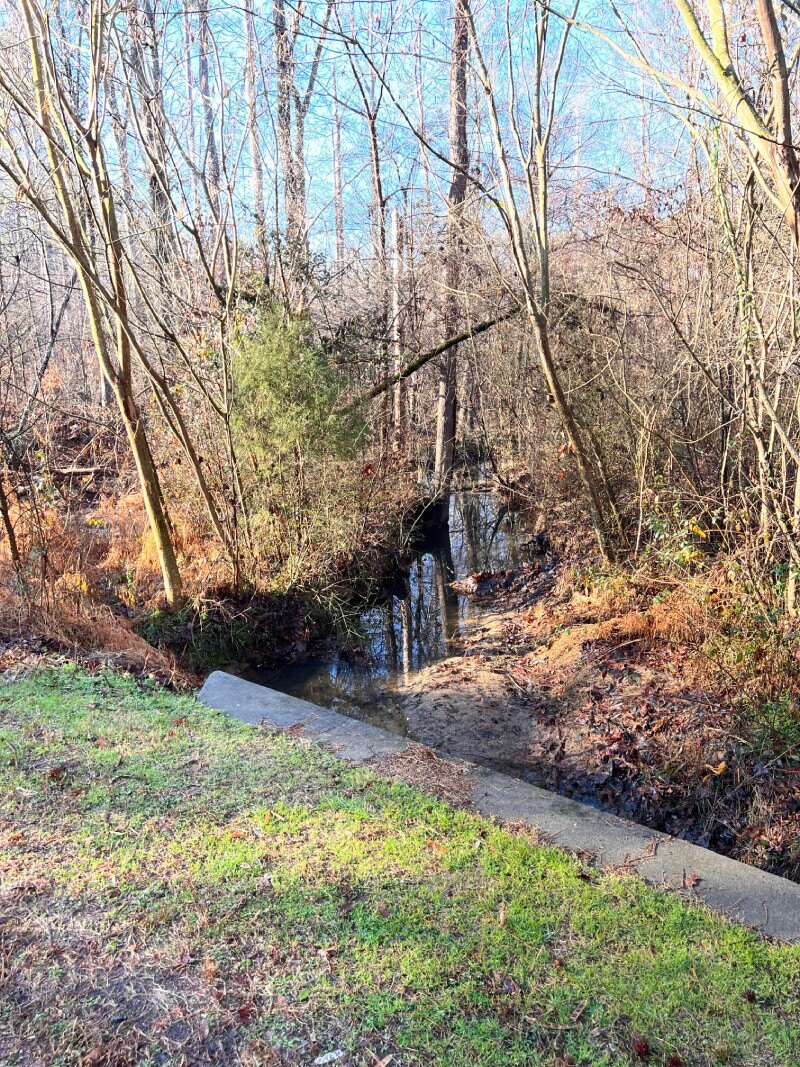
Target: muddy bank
point(551, 687)
point(254, 629)
point(417, 613)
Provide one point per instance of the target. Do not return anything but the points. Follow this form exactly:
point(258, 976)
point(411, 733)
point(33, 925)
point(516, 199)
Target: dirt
point(122, 650)
point(608, 708)
point(420, 767)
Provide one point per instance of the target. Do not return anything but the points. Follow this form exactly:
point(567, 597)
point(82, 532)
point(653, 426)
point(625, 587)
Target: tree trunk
point(588, 474)
point(145, 60)
point(191, 133)
point(338, 190)
point(5, 515)
point(212, 156)
point(447, 393)
point(256, 162)
point(398, 331)
point(292, 205)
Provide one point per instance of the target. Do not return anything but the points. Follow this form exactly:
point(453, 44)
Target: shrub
point(286, 394)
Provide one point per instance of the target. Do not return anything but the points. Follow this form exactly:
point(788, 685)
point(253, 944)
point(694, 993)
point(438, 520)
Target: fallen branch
point(425, 357)
point(82, 472)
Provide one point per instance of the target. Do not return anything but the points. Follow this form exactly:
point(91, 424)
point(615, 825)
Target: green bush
point(312, 503)
point(286, 394)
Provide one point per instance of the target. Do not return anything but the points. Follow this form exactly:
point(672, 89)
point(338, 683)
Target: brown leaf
point(507, 984)
point(720, 768)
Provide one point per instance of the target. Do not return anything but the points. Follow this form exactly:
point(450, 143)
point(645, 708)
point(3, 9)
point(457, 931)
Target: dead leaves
point(13, 892)
point(720, 768)
point(62, 773)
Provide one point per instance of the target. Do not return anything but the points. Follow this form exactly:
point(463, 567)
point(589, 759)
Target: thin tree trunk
point(5, 515)
point(284, 84)
point(398, 330)
point(191, 133)
point(378, 213)
point(447, 386)
point(211, 153)
point(338, 185)
point(256, 162)
point(146, 65)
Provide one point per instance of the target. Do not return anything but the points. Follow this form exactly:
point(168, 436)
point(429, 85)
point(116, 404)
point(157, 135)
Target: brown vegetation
point(224, 385)
point(626, 703)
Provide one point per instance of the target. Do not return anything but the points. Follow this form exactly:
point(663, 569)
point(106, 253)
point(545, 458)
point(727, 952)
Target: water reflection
point(421, 618)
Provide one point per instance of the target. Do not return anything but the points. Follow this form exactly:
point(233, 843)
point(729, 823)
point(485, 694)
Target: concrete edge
point(749, 896)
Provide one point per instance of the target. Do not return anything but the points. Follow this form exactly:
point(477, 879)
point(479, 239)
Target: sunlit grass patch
point(180, 888)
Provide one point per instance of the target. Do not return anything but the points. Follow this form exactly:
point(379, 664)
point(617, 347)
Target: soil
point(551, 686)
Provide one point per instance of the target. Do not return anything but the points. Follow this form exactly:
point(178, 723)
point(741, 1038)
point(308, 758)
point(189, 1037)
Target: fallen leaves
point(720, 768)
point(26, 887)
point(61, 773)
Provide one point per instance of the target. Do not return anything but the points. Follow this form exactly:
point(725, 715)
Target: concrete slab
point(747, 895)
point(255, 704)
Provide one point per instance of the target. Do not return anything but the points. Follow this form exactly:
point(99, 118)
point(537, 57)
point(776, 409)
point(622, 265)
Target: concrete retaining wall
point(745, 894)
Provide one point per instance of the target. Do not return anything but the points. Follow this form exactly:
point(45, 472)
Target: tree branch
point(425, 357)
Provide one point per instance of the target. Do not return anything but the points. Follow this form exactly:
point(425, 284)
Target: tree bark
point(293, 184)
point(338, 185)
point(447, 391)
point(256, 161)
point(5, 515)
point(211, 153)
point(398, 324)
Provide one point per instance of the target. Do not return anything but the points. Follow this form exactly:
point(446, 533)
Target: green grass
point(178, 888)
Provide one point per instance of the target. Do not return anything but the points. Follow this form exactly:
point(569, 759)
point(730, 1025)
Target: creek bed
point(421, 618)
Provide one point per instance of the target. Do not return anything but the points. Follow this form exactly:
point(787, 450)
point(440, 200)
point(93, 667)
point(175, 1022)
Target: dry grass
point(420, 767)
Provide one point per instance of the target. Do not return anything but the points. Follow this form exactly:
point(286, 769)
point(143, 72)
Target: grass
point(180, 889)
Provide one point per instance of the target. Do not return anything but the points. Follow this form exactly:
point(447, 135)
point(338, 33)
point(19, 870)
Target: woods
point(414, 383)
point(287, 270)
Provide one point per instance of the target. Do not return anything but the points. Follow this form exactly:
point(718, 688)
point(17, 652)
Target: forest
point(436, 362)
point(290, 292)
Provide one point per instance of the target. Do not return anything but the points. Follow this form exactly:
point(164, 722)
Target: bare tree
point(293, 103)
point(73, 148)
point(454, 251)
point(256, 160)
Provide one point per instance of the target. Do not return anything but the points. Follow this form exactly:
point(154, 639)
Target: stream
point(419, 620)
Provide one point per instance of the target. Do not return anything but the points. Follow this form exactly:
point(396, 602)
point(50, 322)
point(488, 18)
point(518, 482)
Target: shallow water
point(420, 620)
